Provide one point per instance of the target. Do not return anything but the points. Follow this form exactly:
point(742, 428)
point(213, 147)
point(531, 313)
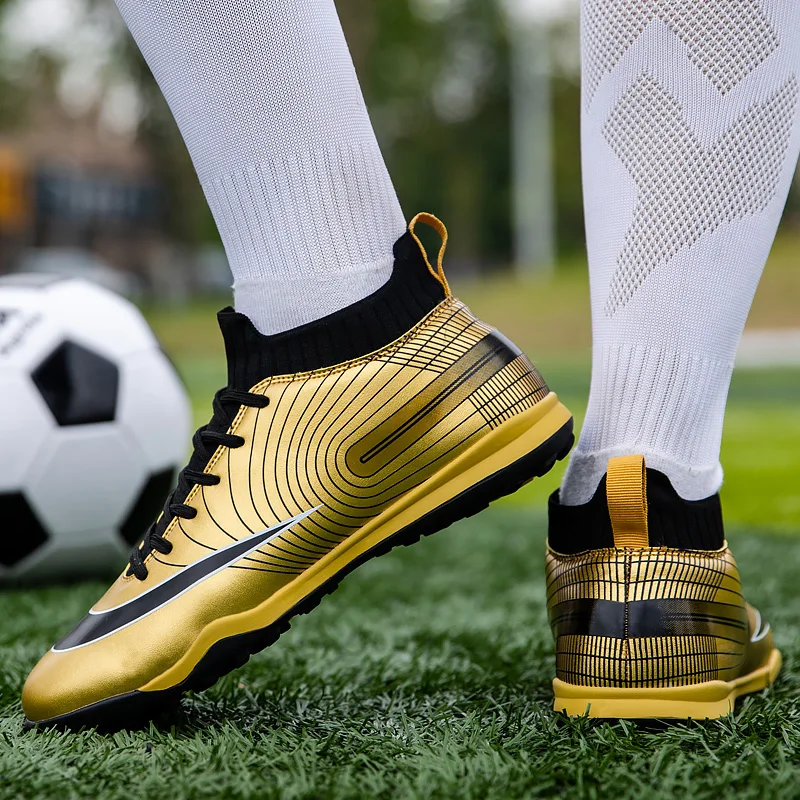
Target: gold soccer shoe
point(646, 605)
point(332, 443)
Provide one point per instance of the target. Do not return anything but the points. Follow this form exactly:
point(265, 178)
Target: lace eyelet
point(205, 441)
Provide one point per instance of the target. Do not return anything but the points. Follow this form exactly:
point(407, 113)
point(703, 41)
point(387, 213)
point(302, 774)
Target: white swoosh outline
point(760, 632)
point(281, 527)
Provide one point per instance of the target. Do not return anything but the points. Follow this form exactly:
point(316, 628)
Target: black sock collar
point(409, 295)
point(671, 520)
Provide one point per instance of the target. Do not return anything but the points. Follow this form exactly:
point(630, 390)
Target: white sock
point(267, 99)
point(691, 134)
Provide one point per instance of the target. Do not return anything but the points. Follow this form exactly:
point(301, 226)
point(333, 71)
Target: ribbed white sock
point(691, 134)
point(267, 99)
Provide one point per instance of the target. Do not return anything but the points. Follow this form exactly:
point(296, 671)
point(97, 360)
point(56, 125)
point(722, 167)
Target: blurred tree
point(12, 93)
point(358, 21)
point(436, 79)
point(567, 165)
point(567, 136)
point(435, 75)
point(186, 214)
point(437, 89)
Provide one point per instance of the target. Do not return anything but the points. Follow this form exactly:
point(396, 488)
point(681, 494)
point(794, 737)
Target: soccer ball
point(93, 427)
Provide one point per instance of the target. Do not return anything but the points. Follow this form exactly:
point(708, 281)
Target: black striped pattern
point(352, 439)
point(646, 618)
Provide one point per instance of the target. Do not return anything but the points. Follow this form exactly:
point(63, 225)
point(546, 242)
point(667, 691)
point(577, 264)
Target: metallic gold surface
point(706, 700)
point(696, 595)
point(421, 420)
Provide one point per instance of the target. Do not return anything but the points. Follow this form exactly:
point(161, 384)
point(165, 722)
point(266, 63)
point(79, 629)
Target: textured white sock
point(691, 134)
point(267, 99)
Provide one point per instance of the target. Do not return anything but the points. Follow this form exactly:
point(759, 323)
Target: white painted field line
point(769, 348)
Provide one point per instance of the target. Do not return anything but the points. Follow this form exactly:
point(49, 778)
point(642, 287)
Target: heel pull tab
point(438, 226)
point(626, 493)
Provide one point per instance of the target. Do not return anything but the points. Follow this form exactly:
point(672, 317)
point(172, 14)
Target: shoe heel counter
point(646, 618)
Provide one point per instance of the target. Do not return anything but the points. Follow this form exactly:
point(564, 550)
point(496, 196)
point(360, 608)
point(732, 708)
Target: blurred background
point(476, 106)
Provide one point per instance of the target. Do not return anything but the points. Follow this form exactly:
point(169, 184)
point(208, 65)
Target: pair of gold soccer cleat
point(380, 424)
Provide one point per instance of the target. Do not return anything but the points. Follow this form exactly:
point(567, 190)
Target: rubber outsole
point(134, 709)
point(707, 700)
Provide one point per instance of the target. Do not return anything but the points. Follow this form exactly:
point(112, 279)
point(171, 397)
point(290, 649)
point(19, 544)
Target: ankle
point(410, 294)
point(671, 521)
point(586, 469)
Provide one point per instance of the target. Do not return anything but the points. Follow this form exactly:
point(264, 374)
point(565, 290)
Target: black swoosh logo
point(97, 625)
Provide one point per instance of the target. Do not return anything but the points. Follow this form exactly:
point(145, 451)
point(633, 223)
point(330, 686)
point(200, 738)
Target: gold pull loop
point(626, 492)
point(439, 227)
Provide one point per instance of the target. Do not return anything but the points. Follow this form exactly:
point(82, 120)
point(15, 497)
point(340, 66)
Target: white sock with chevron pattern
point(691, 135)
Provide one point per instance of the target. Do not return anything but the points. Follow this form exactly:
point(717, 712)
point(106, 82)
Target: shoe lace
point(204, 442)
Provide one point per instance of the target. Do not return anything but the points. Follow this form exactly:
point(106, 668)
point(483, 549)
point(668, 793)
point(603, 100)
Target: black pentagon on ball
point(147, 506)
point(22, 534)
point(79, 386)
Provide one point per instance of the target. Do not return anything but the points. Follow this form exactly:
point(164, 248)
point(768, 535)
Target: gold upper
point(348, 441)
point(634, 616)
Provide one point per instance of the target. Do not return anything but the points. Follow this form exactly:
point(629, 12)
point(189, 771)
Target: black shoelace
point(205, 441)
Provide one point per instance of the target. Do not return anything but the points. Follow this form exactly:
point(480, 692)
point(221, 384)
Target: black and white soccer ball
point(93, 427)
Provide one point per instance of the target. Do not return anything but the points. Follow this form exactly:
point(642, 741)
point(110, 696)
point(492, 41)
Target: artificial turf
point(427, 674)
